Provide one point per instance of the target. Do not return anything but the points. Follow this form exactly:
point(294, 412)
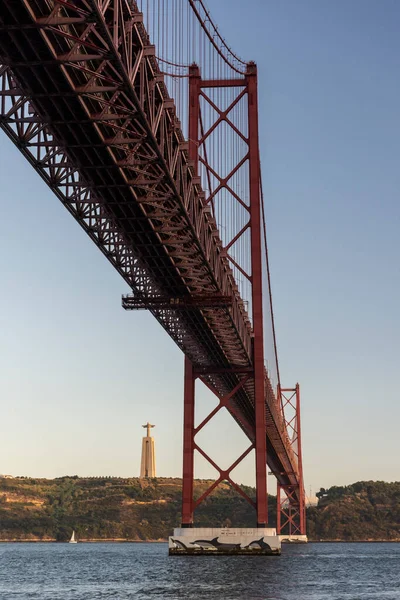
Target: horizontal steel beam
point(138, 302)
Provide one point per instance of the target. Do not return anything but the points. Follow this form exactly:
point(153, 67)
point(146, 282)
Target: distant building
point(6, 476)
point(148, 462)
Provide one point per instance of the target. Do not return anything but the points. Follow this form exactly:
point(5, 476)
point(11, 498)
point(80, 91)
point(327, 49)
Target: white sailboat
point(73, 540)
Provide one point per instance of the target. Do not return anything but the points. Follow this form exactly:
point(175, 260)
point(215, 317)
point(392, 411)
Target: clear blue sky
point(79, 376)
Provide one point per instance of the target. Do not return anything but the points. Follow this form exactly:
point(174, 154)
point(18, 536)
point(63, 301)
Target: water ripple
point(141, 571)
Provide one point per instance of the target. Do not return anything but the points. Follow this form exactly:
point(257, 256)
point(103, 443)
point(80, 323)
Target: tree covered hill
point(134, 509)
point(366, 510)
point(110, 508)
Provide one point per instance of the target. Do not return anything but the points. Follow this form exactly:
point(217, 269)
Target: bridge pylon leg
point(196, 89)
point(257, 298)
point(291, 506)
point(189, 376)
point(188, 445)
point(290, 512)
point(249, 376)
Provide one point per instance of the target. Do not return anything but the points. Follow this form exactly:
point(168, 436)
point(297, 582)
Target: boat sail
point(73, 540)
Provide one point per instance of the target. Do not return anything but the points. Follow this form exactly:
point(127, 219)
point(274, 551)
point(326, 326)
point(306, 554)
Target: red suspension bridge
point(144, 123)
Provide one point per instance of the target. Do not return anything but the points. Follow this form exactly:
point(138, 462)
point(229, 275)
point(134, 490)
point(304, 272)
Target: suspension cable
point(216, 33)
point(269, 276)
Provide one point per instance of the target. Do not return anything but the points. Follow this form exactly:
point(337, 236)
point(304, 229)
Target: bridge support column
point(290, 512)
point(189, 389)
point(194, 114)
point(188, 445)
point(257, 299)
point(256, 430)
point(291, 507)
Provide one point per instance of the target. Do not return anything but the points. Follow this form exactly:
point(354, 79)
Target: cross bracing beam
point(83, 98)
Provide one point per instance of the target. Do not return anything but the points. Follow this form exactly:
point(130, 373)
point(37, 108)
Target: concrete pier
point(293, 539)
point(217, 541)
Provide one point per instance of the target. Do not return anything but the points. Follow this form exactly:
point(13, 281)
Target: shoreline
point(85, 541)
point(354, 541)
point(164, 541)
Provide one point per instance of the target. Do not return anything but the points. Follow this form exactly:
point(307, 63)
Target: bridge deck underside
point(137, 195)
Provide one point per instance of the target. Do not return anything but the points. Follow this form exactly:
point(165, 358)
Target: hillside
point(110, 508)
point(366, 510)
point(135, 509)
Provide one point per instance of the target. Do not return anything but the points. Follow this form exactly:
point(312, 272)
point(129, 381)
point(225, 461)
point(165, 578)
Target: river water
point(104, 571)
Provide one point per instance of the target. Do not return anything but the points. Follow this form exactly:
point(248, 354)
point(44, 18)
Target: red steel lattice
point(291, 509)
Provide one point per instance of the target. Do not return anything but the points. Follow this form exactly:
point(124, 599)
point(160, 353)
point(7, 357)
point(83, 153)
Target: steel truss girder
point(124, 97)
point(35, 141)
